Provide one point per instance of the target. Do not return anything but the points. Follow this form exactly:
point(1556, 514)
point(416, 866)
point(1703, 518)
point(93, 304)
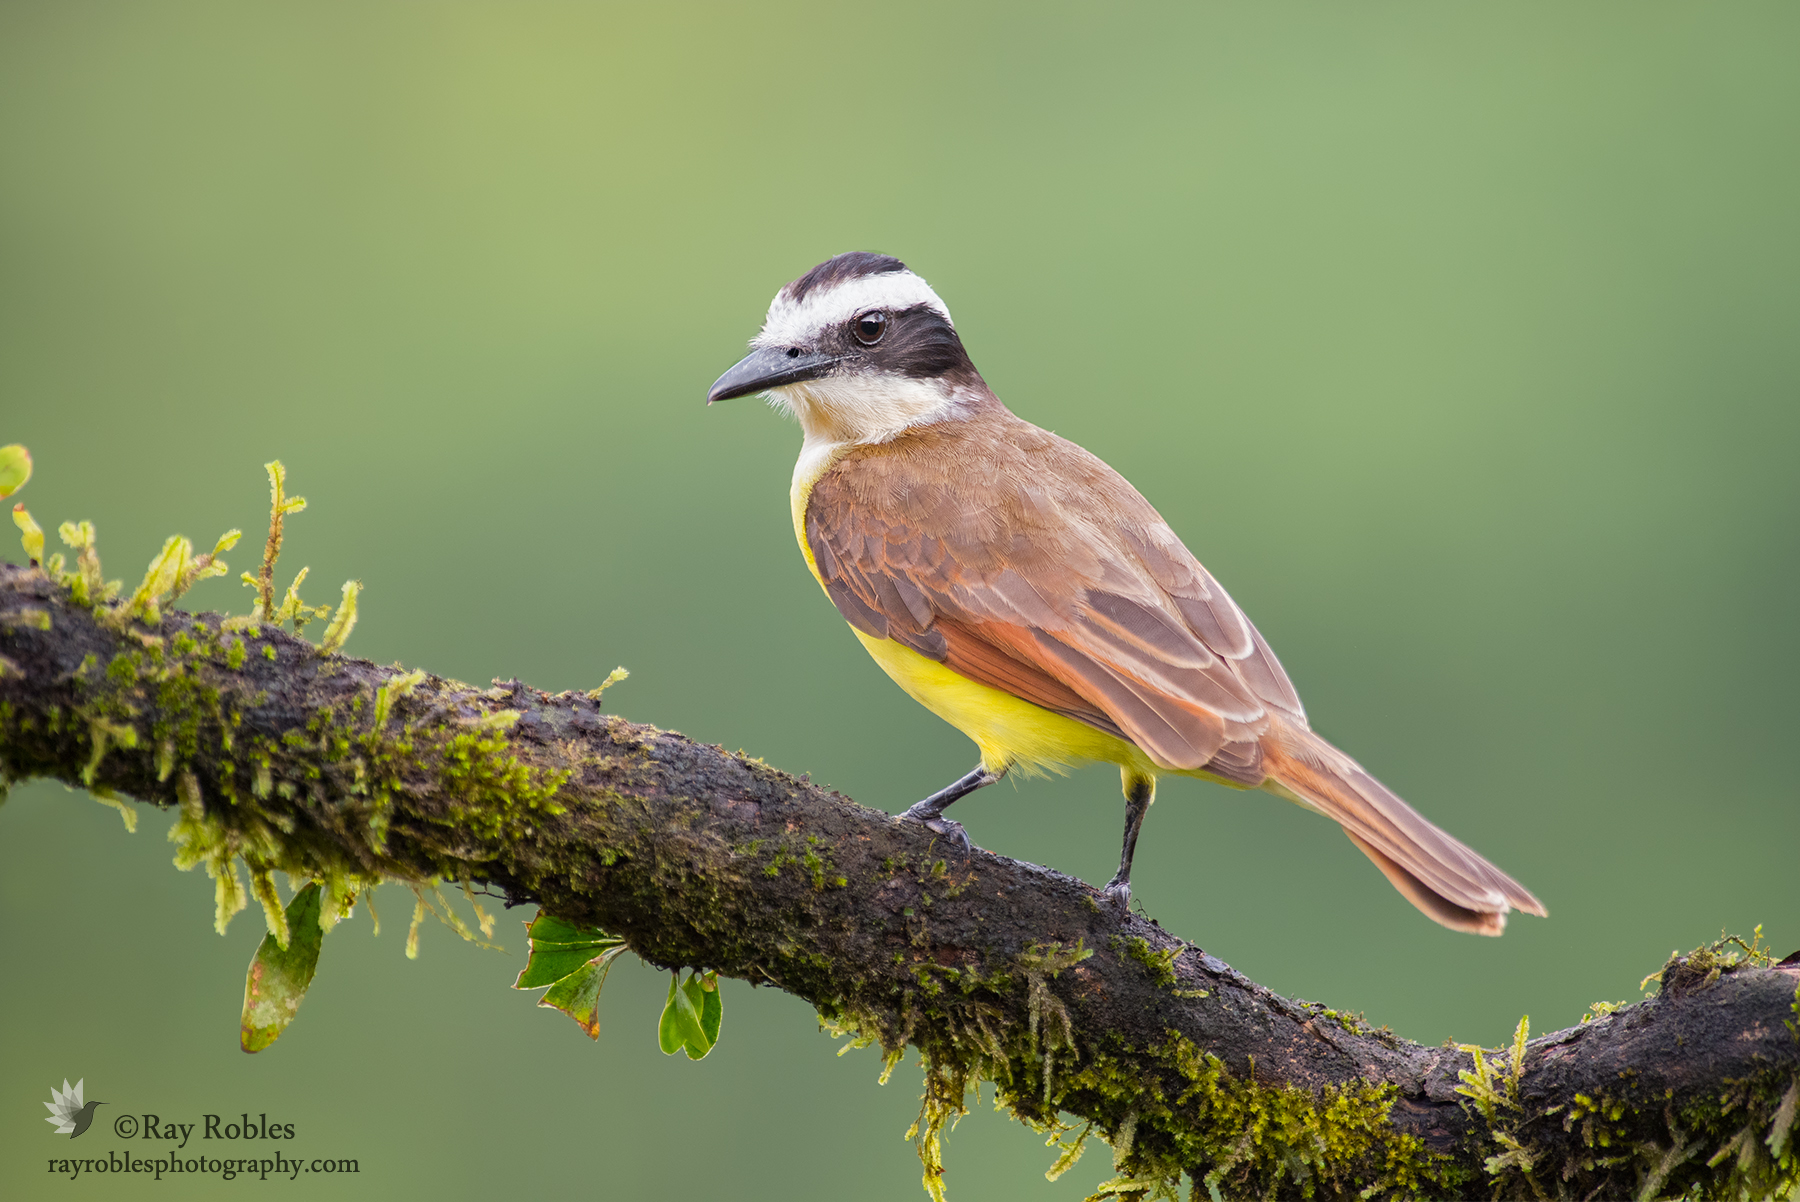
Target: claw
point(952, 829)
point(938, 824)
point(1117, 894)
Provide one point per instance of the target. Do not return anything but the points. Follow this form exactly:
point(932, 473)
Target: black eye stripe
point(916, 341)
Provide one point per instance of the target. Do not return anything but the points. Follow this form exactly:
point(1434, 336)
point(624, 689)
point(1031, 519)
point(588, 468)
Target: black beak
point(769, 368)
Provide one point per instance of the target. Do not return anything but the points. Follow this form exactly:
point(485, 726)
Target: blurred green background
point(1458, 341)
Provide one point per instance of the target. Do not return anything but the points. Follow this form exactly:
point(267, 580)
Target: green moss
point(1601, 1010)
point(1229, 1134)
point(1705, 964)
point(810, 854)
point(1247, 1137)
point(1747, 1131)
point(1169, 1109)
point(1736, 1144)
point(490, 792)
point(486, 790)
point(1160, 965)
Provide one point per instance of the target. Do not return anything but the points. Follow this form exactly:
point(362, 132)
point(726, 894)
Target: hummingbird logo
point(67, 1110)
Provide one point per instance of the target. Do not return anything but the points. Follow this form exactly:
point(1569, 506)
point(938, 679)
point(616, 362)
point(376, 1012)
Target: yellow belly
point(1010, 732)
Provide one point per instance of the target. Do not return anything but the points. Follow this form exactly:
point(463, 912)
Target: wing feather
point(1263, 673)
point(856, 611)
point(1178, 737)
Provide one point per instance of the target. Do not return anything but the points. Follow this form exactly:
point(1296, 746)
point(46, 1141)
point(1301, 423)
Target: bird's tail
point(1436, 873)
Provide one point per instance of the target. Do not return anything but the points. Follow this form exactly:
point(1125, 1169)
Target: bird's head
point(859, 348)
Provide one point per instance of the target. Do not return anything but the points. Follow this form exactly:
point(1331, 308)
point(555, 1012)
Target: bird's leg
point(1140, 791)
point(931, 810)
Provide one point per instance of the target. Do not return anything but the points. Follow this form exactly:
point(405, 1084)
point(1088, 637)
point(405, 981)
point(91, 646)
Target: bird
point(1023, 591)
point(67, 1112)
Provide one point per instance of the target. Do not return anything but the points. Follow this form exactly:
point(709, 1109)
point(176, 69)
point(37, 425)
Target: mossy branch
point(342, 771)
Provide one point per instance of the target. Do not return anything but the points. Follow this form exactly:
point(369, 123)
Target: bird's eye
point(870, 327)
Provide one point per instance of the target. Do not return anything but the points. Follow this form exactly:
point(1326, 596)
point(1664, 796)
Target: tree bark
point(335, 768)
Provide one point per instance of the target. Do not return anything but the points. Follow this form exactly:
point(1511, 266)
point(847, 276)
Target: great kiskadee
point(1021, 590)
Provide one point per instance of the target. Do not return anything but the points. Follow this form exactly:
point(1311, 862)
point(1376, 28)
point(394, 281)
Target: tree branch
point(340, 770)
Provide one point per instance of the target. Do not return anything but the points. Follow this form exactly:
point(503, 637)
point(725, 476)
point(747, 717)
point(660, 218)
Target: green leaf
point(712, 1010)
point(546, 928)
point(279, 977)
point(559, 949)
point(578, 994)
point(573, 961)
point(668, 1028)
point(15, 469)
point(690, 1018)
point(547, 966)
point(693, 1030)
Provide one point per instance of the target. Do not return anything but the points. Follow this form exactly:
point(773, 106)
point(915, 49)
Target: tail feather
point(1433, 904)
point(1438, 874)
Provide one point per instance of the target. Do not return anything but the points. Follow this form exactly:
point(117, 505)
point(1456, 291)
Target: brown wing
point(1019, 560)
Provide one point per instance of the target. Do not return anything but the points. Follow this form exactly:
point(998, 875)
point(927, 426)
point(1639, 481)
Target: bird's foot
point(1117, 896)
point(935, 822)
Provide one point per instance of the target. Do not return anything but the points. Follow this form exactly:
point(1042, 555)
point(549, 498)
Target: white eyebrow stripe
point(893, 290)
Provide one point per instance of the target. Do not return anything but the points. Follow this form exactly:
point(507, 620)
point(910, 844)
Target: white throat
point(851, 410)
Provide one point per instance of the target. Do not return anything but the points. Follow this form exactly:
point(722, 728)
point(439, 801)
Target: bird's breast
point(816, 458)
